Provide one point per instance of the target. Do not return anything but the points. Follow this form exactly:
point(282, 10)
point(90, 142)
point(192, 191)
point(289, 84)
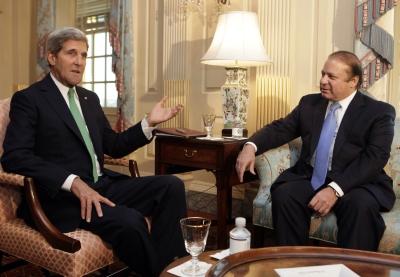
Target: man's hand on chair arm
point(245, 161)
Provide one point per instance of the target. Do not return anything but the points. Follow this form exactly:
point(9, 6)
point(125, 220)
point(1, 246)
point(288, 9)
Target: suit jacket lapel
point(89, 116)
point(57, 103)
point(351, 114)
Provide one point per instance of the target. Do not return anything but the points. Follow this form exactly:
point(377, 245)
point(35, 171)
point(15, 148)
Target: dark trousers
point(160, 197)
point(360, 225)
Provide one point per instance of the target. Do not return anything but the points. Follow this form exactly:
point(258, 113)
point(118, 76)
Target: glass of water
point(208, 121)
point(195, 232)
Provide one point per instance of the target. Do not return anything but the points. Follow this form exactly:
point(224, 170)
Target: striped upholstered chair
point(271, 163)
point(71, 254)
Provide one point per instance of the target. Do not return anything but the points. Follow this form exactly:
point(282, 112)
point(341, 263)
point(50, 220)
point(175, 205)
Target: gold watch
point(336, 193)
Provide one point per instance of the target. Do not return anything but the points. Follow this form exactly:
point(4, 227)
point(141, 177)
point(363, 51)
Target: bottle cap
point(240, 221)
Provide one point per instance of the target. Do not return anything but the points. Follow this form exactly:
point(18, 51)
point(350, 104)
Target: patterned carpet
point(205, 202)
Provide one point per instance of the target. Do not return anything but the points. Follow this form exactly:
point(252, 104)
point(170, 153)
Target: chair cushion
point(269, 166)
point(262, 215)
point(324, 228)
point(390, 242)
point(10, 197)
point(17, 239)
point(393, 166)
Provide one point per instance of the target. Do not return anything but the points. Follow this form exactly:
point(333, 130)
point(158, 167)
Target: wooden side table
point(177, 155)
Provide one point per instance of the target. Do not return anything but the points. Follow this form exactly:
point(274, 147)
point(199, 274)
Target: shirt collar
point(61, 87)
point(344, 103)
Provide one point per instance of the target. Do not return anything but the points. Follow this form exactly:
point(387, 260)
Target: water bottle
point(239, 237)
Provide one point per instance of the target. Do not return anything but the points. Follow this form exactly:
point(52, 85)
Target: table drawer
point(187, 153)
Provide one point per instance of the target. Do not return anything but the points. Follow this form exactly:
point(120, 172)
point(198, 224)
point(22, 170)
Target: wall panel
point(273, 81)
point(176, 69)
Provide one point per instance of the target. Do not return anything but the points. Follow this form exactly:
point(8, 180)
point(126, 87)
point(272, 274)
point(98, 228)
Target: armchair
point(271, 163)
point(71, 254)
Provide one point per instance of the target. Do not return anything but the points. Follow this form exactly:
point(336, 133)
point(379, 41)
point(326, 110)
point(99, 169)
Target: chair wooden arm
point(131, 164)
point(53, 236)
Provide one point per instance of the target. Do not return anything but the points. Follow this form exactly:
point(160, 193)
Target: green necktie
point(83, 129)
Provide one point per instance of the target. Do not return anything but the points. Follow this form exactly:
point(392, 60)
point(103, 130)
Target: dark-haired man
point(58, 134)
point(346, 139)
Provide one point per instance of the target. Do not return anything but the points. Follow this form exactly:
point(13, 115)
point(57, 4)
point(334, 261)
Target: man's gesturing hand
point(323, 201)
point(245, 161)
point(159, 113)
point(88, 197)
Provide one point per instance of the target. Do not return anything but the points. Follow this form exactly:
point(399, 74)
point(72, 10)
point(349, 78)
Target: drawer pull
point(189, 153)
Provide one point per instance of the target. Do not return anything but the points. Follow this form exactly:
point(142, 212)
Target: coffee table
point(263, 261)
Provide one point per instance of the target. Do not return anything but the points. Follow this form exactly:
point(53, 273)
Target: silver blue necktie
point(324, 145)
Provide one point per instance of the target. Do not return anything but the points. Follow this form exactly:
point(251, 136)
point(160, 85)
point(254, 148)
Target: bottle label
point(238, 245)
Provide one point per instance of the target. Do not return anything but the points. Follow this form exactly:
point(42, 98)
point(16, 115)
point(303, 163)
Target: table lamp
point(237, 44)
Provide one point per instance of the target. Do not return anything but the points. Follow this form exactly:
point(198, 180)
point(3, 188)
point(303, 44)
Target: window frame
point(91, 28)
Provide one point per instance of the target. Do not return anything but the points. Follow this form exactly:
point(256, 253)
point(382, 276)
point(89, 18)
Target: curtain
point(121, 39)
point(45, 24)
point(373, 44)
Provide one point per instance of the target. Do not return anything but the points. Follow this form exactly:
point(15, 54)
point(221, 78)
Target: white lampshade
point(237, 41)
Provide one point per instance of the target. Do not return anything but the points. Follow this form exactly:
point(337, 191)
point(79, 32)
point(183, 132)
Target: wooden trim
point(52, 235)
point(303, 252)
point(133, 168)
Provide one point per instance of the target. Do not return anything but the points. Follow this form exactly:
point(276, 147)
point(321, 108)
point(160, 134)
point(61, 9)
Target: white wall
point(16, 50)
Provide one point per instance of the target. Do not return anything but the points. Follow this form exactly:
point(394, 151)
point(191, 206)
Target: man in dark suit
point(58, 134)
point(346, 139)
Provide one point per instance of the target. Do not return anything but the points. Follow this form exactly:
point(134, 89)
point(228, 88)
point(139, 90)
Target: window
point(98, 75)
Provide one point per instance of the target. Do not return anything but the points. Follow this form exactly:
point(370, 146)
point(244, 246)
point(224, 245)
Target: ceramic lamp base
point(235, 98)
point(227, 132)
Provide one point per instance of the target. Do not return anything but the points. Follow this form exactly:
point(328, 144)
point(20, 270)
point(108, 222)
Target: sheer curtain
point(121, 39)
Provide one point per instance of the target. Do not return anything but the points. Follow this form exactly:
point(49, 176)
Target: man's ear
point(354, 81)
point(51, 59)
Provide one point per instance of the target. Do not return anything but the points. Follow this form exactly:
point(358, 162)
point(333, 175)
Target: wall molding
point(153, 50)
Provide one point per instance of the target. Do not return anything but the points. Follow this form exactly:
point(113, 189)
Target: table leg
point(224, 208)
